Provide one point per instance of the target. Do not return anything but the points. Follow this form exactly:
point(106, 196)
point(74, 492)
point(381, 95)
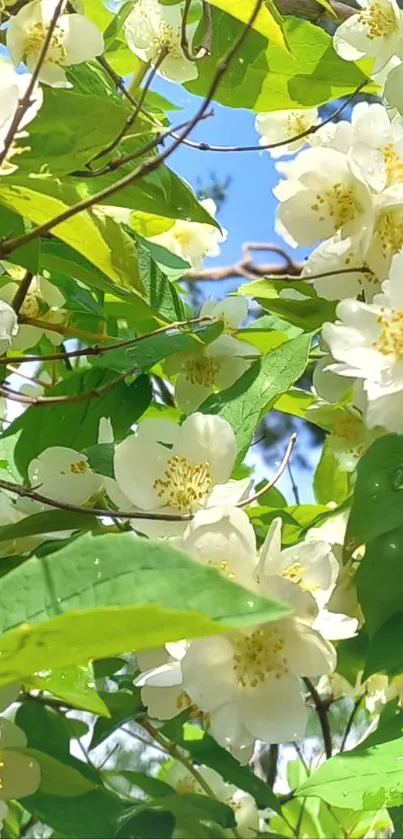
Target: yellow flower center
point(31, 305)
point(79, 468)
point(390, 338)
point(346, 427)
point(223, 566)
point(186, 786)
point(379, 20)
point(202, 370)
point(183, 484)
point(338, 203)
point(297, 123)
point(295, 573)
point(259, 655)
point(168, 39)
point(393, 165)
point(390, 231)
point(35, 36)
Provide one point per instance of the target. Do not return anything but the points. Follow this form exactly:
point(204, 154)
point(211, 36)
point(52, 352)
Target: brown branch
point(148, 166)
point(132, 118)
point(204, 48)
point(313, 11)
point(22, 291)
point(25, 101)
point(300, 136)
point(97, 350)
point(321, 710)
point(96, 393)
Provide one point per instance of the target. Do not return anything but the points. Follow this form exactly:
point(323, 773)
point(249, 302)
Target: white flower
point(335, 255)
point(313, 567)
point(343, 598)
point(284, 125)
point(376, 150)
point(8, 326)
point(320, 197)
point(19, 773)
point(74, 40)
point(367, 343)
point(214, 366)
point(63, 474)
point(393, 88)
point(192, 240)
point(12, 88)
point(243, 805)
point(161, 681)
point(42, 303)
point(376, 31)
point(174, 469)
point(387, 239)
point(249, 682)
point(151, 28)
point(223, 538)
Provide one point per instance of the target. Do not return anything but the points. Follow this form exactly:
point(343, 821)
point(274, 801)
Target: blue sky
point(247, 213)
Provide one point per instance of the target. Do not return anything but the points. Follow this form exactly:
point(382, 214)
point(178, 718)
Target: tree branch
point(25, 102)
point(148, 166)
point(22, 291)
point(204, 48)
point(321, 710)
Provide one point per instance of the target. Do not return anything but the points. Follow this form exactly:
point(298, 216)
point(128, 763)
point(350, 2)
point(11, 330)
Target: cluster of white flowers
point(346, 193)
point(154, 33)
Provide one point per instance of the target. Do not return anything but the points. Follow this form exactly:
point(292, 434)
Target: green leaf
point(297, 302)
point(368, 777)
point(330, 482)
point(378, 497)
point(79, 603)
point(204, 750)
point(150, 350)
point(266, 78)
point(385, 649)
point(76, 424)
point(59, 779)
point(75, 685)
point(88, 816)
point(116, 24)
point(379, 579)
point(153, 787)
point(50, 521)
point(123, 706)
point(161, 294)
point(246, 401)
point(82, 232)
point(268, 21)
point(70, 130)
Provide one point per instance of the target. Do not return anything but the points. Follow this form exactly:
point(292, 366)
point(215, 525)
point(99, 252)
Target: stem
point(138, 78)
point(22, 291)
point(350, 722)
point(25, 102)
point(149, 166)
point(176, 753)
point(321, 710)
point(283, 465)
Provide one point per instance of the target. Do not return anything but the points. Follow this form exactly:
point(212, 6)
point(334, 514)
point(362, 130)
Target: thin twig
point(321, 710)
point(22, 291)
point(204, 48)
point(132, 118)
point(313, 129)
point(101, 350)
point(172, 750)
point(28, 492)
point(24, 399)
point(25, 101)
point(294, 487)
point(350, 722)
point(283, 465)
point(145, 168)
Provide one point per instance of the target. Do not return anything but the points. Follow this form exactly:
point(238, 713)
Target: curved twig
point(204, 48)
point(280, 471)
